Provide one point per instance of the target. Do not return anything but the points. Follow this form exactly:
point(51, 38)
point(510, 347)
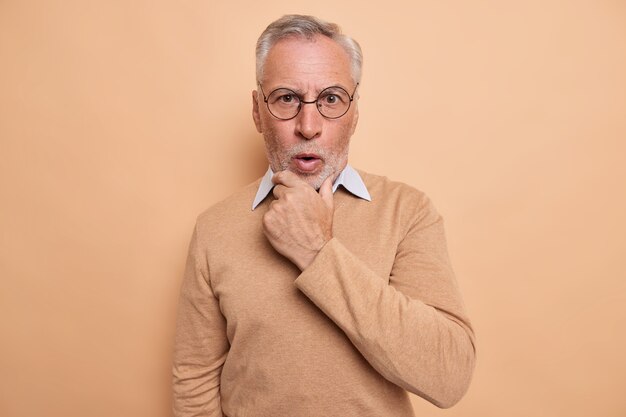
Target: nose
point(309, 121)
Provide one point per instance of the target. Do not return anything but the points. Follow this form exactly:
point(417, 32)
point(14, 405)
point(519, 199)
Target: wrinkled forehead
point(302, 62)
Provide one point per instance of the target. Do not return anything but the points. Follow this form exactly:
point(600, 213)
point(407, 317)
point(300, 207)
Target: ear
point(355, 119)
point(255, 111)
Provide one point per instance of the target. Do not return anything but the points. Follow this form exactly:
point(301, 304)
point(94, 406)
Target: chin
point(314, 180)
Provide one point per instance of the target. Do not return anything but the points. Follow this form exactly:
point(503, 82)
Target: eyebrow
point(302, 94)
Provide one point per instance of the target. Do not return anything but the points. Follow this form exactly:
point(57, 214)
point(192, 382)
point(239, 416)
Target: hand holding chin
point(299, 221)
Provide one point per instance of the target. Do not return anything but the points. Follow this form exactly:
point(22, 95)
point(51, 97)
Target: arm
point(201, 345)
point(410, 327)
point(412, 330)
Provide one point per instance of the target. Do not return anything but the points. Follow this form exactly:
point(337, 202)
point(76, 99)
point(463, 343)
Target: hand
point(300, 221)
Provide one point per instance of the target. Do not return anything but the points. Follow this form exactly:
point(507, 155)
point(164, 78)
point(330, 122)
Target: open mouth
point(307, 162)
point(307, 156)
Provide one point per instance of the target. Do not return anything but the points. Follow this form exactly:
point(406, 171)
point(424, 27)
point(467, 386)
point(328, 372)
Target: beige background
point(120, 121)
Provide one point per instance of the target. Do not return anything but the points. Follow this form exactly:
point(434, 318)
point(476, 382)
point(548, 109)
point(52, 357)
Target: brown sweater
point(378, 312)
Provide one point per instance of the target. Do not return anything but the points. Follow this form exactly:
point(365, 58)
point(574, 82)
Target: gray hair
point(306, 27)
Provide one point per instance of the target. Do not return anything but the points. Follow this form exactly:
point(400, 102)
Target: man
point(333, 295)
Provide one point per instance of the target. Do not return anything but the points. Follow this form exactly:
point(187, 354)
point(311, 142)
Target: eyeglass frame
point(301, 101)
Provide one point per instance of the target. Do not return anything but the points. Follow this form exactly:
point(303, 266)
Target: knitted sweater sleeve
point(201, 345)
point(411, 326)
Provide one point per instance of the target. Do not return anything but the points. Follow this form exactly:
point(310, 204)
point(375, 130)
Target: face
point(309, 145)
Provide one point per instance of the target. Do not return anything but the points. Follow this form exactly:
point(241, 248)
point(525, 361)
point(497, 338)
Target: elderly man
point(318, 290)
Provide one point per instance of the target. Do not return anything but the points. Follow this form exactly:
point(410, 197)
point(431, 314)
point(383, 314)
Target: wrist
point(309, 256)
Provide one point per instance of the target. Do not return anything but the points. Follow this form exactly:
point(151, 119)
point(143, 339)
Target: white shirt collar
point(348, 178)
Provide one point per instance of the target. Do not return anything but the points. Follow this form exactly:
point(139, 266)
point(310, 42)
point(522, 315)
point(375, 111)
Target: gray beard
point(331, 162)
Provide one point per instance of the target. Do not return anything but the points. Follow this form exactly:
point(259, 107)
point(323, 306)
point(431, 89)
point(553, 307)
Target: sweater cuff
point(333, 266)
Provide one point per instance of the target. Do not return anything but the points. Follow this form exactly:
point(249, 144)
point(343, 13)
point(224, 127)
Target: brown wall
point(120, 121)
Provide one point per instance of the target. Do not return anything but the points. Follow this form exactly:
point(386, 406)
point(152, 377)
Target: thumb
point(326, 192)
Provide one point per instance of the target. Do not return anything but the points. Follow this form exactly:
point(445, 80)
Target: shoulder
point(227, 214)
point(405, 201)
point(383, 188)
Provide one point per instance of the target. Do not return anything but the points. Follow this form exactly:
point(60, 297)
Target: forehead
point(303, 63)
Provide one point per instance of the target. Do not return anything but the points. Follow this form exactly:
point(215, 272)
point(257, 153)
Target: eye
point(283, 97)
point(331, 99)
point(286, 98)
point(333, 96)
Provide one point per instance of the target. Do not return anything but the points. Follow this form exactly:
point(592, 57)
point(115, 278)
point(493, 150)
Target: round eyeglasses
point(285, 104)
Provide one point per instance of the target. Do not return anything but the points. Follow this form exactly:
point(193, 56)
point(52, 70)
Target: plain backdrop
point(120, 121)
